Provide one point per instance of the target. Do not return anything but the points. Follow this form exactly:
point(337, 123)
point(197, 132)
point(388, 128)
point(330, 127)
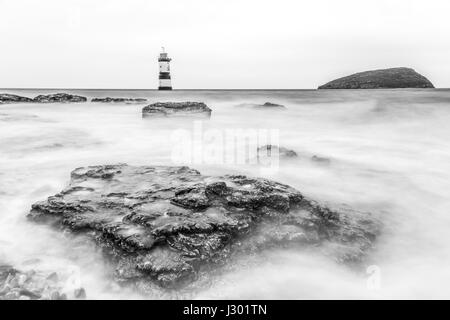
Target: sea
point(383, 151)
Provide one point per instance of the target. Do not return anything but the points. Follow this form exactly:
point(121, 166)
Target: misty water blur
point(389, 153)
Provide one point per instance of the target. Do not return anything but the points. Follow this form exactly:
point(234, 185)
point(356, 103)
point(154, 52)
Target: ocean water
point(389, 153)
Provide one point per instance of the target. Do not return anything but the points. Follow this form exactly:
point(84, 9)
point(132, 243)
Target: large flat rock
point(164, 225)
point(381, 79)
point(176, 109)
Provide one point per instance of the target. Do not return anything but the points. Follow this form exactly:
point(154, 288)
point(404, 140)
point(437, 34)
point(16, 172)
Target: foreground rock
point(166, 225)
point(118, 100)
point(12, 98)
point(33, 285)
point(379, 79)
point(59, 97)
point(176, 109)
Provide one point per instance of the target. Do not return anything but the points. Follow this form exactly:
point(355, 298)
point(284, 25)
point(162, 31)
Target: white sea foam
point(389, 152)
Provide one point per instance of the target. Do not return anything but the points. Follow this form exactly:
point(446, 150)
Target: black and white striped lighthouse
point(164, 71)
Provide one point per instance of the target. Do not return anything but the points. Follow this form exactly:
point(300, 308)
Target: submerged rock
point(379, 79)
point(176, 108)
point(12, 98)
point(266, 105)
point(118, 100)
point(272, 105)
point(59, 97)
point(270, 150)
point(32, 285)
point(321, 160)
point(165, 225)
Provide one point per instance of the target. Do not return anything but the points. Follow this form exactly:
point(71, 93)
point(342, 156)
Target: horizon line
point(215, 89)
point(143, 89)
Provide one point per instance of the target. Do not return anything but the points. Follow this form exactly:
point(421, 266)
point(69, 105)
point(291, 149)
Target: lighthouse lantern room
point(164, 71)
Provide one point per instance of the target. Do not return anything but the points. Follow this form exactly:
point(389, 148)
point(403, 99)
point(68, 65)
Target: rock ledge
point(176, 108)
point(167, 225)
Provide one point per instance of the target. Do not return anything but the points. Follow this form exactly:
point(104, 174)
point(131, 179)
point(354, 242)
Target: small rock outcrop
point(118, 100)
point(166, 225)
point(59, 97)
point(266, 105)
point(12, 98)
point(381, 79)
point(176, 109)
point(270, 150)
point(272, 105)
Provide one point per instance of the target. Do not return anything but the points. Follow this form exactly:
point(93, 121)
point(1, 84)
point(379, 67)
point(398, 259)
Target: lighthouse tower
point(164, 71)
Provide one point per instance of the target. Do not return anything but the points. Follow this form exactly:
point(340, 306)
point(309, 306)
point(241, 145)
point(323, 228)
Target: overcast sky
point(218, 43)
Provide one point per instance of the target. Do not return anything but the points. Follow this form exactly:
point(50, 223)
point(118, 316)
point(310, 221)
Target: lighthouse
point(164, 71)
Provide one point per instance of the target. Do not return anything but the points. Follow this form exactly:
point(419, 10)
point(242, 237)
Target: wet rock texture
point(48, 98)
point(166, 225)
point(12, 98)
point(379, 79)
point(176, 109)
point(59, 97)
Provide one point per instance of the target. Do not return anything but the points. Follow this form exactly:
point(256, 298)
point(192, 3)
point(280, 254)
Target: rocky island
point(381, 79)
point(166, 226)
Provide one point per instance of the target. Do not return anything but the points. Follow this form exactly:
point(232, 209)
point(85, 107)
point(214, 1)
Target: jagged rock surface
point(379, 79)
point(176, 108)
point(12, 98)
point(59, 97)
point(165, 225)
